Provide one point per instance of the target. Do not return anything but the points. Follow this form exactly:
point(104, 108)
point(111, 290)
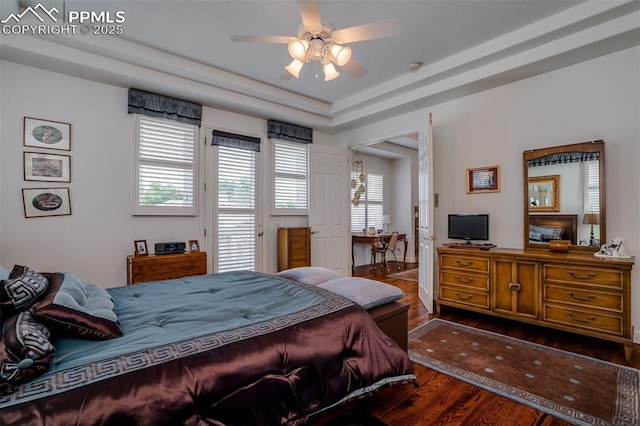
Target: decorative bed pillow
point(363, 291)
point(25, 350)
point(21, 290)
point(312, 275)
point(547, 233)
point(77, 308)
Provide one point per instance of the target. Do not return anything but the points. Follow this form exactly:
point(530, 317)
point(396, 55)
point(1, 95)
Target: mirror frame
point(554, 181)
point(593, 146)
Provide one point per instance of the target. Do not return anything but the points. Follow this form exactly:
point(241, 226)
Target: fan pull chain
point(316, 69)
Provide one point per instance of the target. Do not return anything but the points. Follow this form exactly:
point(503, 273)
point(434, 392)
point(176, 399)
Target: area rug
point(409, 275)
point(571, 387)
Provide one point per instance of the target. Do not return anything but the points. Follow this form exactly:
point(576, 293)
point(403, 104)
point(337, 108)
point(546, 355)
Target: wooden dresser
point(164, 267)
point(574, 292)
point(294, 248)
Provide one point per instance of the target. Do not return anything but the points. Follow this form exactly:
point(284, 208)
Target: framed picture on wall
point(47, 167)
point(48, 134)
point(483, 179)
point(39, 202)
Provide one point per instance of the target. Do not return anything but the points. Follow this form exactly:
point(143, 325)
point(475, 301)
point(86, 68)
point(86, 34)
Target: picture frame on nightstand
point(194, 246)
point(141, 247)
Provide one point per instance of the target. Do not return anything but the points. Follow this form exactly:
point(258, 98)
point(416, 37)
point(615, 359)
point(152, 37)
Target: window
point(369, 211)
point(592, 187)
point(166, 161)
point(290, 175)
point(236, 209)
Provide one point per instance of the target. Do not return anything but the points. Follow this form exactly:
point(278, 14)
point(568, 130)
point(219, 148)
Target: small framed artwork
point(483, 179)
point(141, 247)
point(194, 246)
point(47, 134)
point(39, 202)
point(47, 167)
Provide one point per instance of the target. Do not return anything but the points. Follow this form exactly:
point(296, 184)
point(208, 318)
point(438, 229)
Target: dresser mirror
point(564, 196)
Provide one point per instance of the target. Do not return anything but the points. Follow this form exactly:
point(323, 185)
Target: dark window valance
point(233, 140)
point(155, 105)
point(563, 158)
point(289, 132)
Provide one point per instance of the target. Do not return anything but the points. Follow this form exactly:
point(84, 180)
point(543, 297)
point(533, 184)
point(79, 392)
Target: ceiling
point(183, 48)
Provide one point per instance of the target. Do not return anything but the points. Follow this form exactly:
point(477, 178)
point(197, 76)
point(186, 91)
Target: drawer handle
point(464, 281)
point(589, 276)
point(588, 320)
point(460, 263)
point(467, 297)
point(589, 298)
point(515, 286)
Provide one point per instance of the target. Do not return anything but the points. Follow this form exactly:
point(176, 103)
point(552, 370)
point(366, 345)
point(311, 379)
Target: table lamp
point(591, 219)
point(385, 223)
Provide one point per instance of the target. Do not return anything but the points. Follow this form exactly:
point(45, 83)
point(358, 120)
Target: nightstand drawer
point(466, 280)
point(589, 320)
point(451, 294)
point(592, 276)
point(475, 264)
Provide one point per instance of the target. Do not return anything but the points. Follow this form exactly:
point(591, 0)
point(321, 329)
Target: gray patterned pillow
point(22, 289)
point(25, 350)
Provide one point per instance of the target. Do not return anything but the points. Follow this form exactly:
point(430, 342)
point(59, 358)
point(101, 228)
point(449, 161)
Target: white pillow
point(312, 275)
point(363, 291)
point(4, 274)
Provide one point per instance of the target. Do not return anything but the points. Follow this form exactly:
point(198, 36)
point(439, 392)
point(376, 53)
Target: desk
point(373, 241)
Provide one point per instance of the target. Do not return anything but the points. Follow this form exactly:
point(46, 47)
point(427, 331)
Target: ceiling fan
point(324, 45)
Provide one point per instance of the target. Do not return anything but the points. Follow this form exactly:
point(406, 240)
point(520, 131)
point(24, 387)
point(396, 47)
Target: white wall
point(95, 240)
point(598, 99)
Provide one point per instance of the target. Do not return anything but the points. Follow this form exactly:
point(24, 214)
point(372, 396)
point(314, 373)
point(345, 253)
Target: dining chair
point(387, 246)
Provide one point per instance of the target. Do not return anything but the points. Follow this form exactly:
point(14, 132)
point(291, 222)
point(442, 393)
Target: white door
point(329, 208)
point(425, 230)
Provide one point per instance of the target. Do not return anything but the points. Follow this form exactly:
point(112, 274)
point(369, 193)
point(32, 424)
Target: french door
point(236, 212)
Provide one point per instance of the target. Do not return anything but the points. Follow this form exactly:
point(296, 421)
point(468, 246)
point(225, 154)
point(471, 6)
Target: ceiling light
point(329, 72)
point(298, 48)
point(341, 54)
point(294, 68)
point(415, 66)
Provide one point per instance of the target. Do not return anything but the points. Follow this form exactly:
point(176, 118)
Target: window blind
point(369, 211)
point(290, 170)
point(592, 177)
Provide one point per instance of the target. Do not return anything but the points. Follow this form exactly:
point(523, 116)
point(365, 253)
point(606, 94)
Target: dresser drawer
point(462, 279)
point(594, 276)
point(584, 297)
point(476, 264)
point(585, 319)
point(464, 297)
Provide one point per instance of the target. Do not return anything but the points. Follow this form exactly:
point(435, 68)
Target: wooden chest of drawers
point(574, 292)
point(294, 248)
point(164, 267)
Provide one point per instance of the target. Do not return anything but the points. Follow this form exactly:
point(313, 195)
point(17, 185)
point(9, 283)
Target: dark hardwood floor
point(442, 400)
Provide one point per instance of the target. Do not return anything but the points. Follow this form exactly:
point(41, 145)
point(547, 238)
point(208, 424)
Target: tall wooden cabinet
point(575, 292)
point(294, 248)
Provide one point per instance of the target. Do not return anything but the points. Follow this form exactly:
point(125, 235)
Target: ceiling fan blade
point(261, 38)
point(354, 68)
point(286, 75)
point(310, 13)
point(378, 29)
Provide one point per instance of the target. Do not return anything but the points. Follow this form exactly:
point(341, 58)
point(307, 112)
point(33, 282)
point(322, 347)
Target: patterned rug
point(409, 275)
point(575, 388)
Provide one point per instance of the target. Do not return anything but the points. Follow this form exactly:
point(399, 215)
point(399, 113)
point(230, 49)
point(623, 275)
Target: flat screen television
point(469, 227)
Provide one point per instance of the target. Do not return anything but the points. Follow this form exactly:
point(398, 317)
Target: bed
point(547, 227)
point(230, 348)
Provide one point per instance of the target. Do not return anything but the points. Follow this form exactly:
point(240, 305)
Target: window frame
point(140, 210)
point(287, 211)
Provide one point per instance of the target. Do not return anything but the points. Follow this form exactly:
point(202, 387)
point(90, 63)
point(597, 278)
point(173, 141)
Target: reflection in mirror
point(544, 193)
point(574, 211)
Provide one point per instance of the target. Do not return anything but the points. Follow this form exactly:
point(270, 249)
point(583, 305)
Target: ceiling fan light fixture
point(330, 72)
point(340, 54)
point(294, 68)
point(298, 48)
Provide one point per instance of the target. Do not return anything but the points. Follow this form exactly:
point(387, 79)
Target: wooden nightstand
point(165, 267)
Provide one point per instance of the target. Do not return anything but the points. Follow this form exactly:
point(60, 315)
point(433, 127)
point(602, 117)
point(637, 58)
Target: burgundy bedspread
point(281, 376)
